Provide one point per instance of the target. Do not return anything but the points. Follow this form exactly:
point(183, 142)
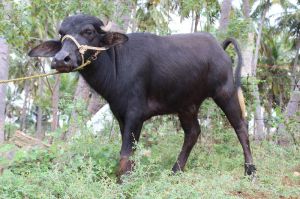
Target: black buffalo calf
point(142, 75)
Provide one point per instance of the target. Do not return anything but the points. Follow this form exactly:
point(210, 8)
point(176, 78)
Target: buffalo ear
point(111, 39)
point(46, 49)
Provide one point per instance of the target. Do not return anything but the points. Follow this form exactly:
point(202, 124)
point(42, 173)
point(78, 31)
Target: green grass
point(85, 168)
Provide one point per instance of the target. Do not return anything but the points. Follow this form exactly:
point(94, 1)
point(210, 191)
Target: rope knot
point(83, 48)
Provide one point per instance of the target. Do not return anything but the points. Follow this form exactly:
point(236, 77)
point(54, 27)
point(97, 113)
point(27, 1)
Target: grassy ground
point(85, 168)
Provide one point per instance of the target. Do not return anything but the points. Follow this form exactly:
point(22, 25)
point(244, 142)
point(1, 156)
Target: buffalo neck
point(101, 74)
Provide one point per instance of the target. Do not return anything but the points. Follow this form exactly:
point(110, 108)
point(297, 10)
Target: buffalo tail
point(237, 74)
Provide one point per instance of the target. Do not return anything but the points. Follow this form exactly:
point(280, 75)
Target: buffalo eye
point(88, 32)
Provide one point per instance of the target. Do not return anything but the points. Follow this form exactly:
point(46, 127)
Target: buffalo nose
point(61, 59)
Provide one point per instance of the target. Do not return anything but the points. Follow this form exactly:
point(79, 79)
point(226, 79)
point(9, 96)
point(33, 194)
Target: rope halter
point(83, 48)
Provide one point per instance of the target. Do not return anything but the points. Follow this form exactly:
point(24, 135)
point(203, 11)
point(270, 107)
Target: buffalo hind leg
point(230, 105)
point(190, 125)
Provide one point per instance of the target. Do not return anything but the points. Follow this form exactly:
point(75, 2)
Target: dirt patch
point(294, 180)
point(297, 169)
point(286, 181)
point(290, 197)
point(256, 195)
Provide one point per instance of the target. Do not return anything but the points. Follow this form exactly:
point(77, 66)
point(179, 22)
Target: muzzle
point(83, 48)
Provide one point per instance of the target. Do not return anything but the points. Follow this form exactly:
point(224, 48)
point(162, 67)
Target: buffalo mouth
point(65, 69)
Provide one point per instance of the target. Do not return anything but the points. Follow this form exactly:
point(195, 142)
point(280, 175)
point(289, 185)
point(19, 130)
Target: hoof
point(250, 170)
point(177, 168)
point(125, 168)
point(119, 180)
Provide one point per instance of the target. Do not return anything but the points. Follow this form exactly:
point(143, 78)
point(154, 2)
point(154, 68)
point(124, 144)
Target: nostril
point(67, 59)
point(53, 63)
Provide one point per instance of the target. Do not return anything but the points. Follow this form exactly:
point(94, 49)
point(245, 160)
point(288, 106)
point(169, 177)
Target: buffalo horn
point(107, 27)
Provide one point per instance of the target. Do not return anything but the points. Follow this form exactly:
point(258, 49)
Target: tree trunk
point(3, 75)
point(293, 104)
point(81, 95)
point(258, 39)
point(126, 18)
point(225, 15)
point(192, 24)
point(123, 15)
point(291, 110)
point(246, 9)
point(197, 19)
point(259, 133)
point(133, 23)
point(295, 69)
point(95, 103)
point(247, 50)
point(40, 133)
point(25, 104)
point(55, 101)
point(39, 115)
point(259, 130)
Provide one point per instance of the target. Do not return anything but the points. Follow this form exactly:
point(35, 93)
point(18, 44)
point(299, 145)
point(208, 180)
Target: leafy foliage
point(85, 168)
point(152, 19)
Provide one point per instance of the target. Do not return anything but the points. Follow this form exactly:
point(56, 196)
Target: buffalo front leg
point(130, 135)
point(190, 125)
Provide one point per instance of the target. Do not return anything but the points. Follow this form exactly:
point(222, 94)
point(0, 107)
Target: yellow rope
point(43, 75)
point(82, 49)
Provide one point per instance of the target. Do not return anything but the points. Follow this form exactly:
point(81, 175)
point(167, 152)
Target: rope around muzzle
point(82, 49)
point(43, 75)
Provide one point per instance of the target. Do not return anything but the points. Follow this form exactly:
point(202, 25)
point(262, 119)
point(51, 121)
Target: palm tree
point(290, 23)
point(259, 13)
point(274, 71)
point(3, 75)
point(261, 10)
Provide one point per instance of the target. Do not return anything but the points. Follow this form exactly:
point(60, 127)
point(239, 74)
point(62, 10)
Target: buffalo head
point(76, 31)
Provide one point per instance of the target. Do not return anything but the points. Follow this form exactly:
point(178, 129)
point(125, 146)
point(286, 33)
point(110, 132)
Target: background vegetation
point(70, 161)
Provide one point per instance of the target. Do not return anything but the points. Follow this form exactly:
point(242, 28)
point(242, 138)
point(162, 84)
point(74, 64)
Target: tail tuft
point(241, 101)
